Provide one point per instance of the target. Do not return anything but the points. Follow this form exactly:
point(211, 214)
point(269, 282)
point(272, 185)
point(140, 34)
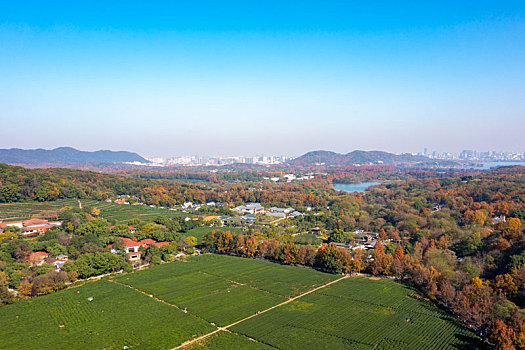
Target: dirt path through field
point(225, 328)
point(157, 299)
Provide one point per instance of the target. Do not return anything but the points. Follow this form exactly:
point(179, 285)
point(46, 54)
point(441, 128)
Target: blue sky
point(273, 77)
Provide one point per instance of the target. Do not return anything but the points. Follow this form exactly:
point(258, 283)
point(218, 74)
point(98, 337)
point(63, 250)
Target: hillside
point(356, 157)
point(65, 156)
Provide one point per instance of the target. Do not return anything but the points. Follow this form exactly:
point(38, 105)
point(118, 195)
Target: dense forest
point(18, 184)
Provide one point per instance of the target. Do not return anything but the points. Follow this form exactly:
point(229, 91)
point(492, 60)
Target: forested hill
point(65, 156)
point(19, 184)
point(356, 157)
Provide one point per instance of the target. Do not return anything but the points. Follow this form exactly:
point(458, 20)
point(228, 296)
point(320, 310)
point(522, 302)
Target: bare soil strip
point(225, 328)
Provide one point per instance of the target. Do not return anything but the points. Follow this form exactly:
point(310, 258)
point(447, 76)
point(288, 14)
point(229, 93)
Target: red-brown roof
point(41, 252)
point(24, 229)
point(145, 242)
point(40, 255)
point(7, 223)
point(129, 242)
point(35, 222)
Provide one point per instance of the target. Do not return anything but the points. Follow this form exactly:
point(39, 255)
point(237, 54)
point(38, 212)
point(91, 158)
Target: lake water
point(360, 187)
point(491, 165)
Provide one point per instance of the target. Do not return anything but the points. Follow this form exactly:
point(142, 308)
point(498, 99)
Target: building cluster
point(362, 240)
point(257, 208)
point(197, 206)
point(473, 155)
point(32, 227)
point(250, 211)
point(218, 160)
point(290, 178)
point(41, 257)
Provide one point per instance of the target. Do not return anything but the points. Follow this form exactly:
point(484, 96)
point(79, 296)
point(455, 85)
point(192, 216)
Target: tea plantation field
point(262, 305)
point(227, 340)
point(119, 212)
point(25, 210)
point(224, 289)
point(359, 313)
point(116, 317)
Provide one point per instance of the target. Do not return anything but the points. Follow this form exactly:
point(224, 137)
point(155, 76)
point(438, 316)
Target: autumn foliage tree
point(333, 259)
point(225, 242)
point(240, 244)
point(513, 229)
point(251, 246)
point(382, 261)
point(501, 336)
point(289, 254)
point(398, 262)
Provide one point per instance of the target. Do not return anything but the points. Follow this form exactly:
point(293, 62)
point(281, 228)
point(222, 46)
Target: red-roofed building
point(33, 226)
point(134, 256)
point(129, 245)
point(37, 258)
point(147, 241)
point(59, 261)
point(18, 224)
point(132, 247)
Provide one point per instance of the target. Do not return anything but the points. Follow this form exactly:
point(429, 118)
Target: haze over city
point(233, 78)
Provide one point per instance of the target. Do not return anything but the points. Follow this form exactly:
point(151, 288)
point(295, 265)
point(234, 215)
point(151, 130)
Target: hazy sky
point(273, 77)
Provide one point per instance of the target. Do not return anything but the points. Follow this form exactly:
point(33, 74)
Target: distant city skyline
point(171, 78)
point(425, 151)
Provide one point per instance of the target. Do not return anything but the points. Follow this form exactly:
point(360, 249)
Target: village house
point(58, 261)
point(498, 219)
point(132, 247)
point(32, 226)
point(280, 210)
point(231, 220)
point(250, 208)
point(283, 212)
point(37, 258)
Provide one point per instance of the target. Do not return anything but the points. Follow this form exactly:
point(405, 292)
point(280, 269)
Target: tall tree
point(240, 244)
point(225, 242)
point(251, 246)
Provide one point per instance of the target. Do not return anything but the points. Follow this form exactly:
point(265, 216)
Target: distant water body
point(360, 187)
point(491, 165)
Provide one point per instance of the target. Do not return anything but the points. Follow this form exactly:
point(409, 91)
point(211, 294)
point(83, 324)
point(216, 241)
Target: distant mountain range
point(356, 157)
point(65, 156)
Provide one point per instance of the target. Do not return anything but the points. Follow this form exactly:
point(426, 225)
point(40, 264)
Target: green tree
point(96, 228)
point(9, 193)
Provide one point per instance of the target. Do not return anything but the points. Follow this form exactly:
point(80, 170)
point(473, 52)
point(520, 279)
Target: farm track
point(242, 284)
point(157, 299)
point(225, 328)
